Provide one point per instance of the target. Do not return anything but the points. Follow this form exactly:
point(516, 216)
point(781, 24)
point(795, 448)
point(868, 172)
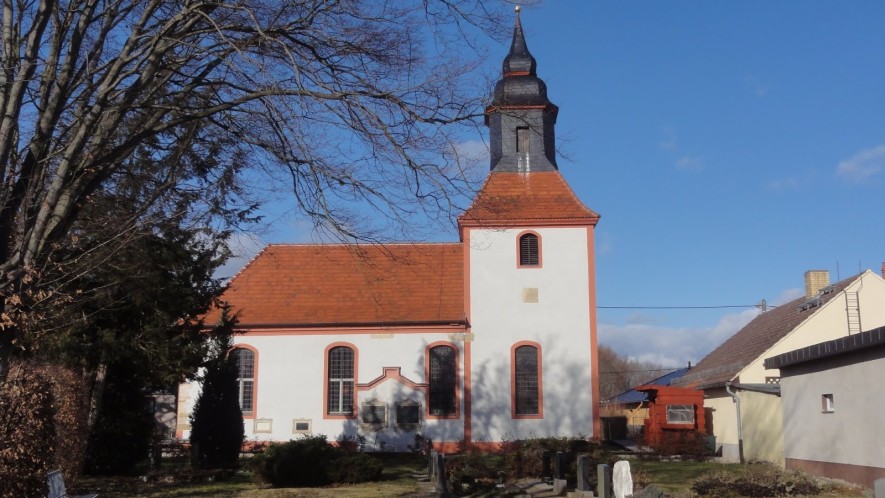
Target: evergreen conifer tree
point(217, 422)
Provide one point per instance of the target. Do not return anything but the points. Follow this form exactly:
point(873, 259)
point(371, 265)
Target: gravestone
point(879, 488)
point(559, 466)
point(56, 484)
point(439, 483)
point(622, 480)
point(604, 481)
point(583, 473)
point(546, 467)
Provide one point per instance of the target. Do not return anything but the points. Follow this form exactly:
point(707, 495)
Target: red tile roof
point(541, 196)
point(749, 343)
point(316, 285)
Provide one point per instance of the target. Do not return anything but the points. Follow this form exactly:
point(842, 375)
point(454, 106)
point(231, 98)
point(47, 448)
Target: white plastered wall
point(289, 384)
point(559, 321)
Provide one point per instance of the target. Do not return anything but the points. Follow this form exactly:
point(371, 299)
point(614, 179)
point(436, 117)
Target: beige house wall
point(828, 322)
point(722, 422)
point(763, 427)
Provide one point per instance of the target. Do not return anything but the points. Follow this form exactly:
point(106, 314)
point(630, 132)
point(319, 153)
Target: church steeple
point(521, 118)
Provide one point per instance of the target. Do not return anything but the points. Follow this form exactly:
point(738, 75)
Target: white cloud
point(671, 346)
point(863, 165)
point(692, 164)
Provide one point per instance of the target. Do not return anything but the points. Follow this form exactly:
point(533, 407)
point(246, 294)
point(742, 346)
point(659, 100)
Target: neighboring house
point(833, 401)
point(675, 416)
point(742, 396)
point(477, 341)
point(633, 404)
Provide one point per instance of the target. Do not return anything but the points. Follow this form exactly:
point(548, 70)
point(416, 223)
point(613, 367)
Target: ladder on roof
point(852, 310)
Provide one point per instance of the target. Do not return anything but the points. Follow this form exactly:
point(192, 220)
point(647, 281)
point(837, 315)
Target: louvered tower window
point(529, 250)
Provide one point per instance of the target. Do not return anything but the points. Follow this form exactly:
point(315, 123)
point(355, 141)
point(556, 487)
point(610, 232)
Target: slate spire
point(519, 60)
point(521, 117)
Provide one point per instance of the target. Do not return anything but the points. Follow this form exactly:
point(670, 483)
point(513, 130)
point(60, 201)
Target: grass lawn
point(397, 479)
point(675, 478)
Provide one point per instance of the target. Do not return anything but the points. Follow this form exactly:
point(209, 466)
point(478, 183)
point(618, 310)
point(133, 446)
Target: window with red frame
point(526, 378)
point(529, 250)
point(443, 379)
point(340, 384)
point(245, 378)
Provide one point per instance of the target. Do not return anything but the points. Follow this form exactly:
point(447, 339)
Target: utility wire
point(676, 307)
point(642, 371)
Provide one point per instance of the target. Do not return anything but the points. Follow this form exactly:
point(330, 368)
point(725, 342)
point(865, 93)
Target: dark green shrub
point(312, 461)
point(354, 468)
point(302, 462)
point(758, 481)
point(27, 431)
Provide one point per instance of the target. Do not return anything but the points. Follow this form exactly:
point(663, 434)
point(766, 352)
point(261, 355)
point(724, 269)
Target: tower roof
point(527, 198)
point(520, 85)
point(519, 60)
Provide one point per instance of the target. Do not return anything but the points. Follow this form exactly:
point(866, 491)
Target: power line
point(682, 307)
point(642, 371)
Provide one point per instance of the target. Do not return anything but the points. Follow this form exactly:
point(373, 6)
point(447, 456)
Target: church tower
point(530, 367)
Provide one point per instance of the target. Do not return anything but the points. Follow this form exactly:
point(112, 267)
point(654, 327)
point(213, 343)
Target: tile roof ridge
point(248, 264)
point(367, 244)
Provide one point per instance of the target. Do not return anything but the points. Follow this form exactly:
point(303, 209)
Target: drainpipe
point(737, 408)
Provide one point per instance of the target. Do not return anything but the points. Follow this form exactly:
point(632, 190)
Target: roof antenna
point(838, 275)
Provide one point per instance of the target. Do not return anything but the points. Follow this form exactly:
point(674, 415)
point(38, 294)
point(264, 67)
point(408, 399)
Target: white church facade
point(472, 342)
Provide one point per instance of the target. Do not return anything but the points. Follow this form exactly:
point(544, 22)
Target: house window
point(339, 391)
point(522, 140)
point(529, 250)
point(443, 381)
point(826, 402)
point(245, 359)
point(680, 414)
point(526, 379)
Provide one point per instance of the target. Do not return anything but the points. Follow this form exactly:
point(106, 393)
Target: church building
point(489, 338)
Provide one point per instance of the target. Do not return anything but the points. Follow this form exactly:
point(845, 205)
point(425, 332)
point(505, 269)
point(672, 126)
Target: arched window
point(526, 380)
point(340, 383)
point(443, 381)
point(529, 250)
point(245, 359)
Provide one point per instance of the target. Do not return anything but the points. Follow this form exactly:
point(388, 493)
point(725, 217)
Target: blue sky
point(729, 147)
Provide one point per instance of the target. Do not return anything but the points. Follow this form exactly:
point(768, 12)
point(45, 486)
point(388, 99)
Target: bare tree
point(352, 99)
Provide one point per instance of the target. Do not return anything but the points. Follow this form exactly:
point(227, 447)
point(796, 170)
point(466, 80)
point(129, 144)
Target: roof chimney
point(883, 269)
point(815, 280)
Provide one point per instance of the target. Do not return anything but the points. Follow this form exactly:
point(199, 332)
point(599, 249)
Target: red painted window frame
point(519, 237)
point(457, 411)
point(538, 350)
point(254, 412)
point(356, 352)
